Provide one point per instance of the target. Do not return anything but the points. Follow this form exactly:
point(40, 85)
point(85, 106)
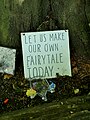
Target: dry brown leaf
point(75, 70)
point(8, 76)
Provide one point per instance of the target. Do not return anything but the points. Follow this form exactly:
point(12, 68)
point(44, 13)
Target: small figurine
point(52, 87)
point(41, 86)
point(31, 93)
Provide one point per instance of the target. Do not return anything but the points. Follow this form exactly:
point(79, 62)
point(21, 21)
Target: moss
point(73, 16)
point(18, 16)
point(72, 108)
point(4, 22)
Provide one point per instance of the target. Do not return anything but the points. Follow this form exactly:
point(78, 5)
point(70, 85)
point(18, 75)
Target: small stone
point(2, 87)
point(61, 103)
point(28, 105)
point(44, 98)
point(76, 91)
point(71, 112)
point(89, 24)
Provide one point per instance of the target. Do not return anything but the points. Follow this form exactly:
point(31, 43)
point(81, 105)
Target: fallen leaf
point(7, 76)
point(75, 70)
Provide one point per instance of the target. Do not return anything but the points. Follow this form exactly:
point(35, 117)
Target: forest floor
point(75, 108)
point(71, 96)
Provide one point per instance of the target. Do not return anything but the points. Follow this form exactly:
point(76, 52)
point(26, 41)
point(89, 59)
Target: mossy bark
point(74, 15)
point(65, 109)
point(27, 15)
point(18, 16)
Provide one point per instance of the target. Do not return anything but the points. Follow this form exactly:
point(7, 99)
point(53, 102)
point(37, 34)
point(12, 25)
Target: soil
point(13, 90)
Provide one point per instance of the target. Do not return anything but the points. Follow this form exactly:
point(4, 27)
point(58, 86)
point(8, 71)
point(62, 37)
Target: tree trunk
point(74, 15)
point(37, 15)
point(31, 15)
point(66, 109)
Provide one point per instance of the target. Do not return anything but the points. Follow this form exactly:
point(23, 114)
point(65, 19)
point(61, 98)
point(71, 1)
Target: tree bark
point(66, 109)
point(31, 15)
point(73, 15)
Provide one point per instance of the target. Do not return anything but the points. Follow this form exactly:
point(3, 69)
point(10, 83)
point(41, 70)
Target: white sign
point(45, 54)
point(7, 60)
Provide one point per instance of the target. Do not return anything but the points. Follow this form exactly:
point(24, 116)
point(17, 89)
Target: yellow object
point(7, 76)
point(76, 91)
point(31, 93)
